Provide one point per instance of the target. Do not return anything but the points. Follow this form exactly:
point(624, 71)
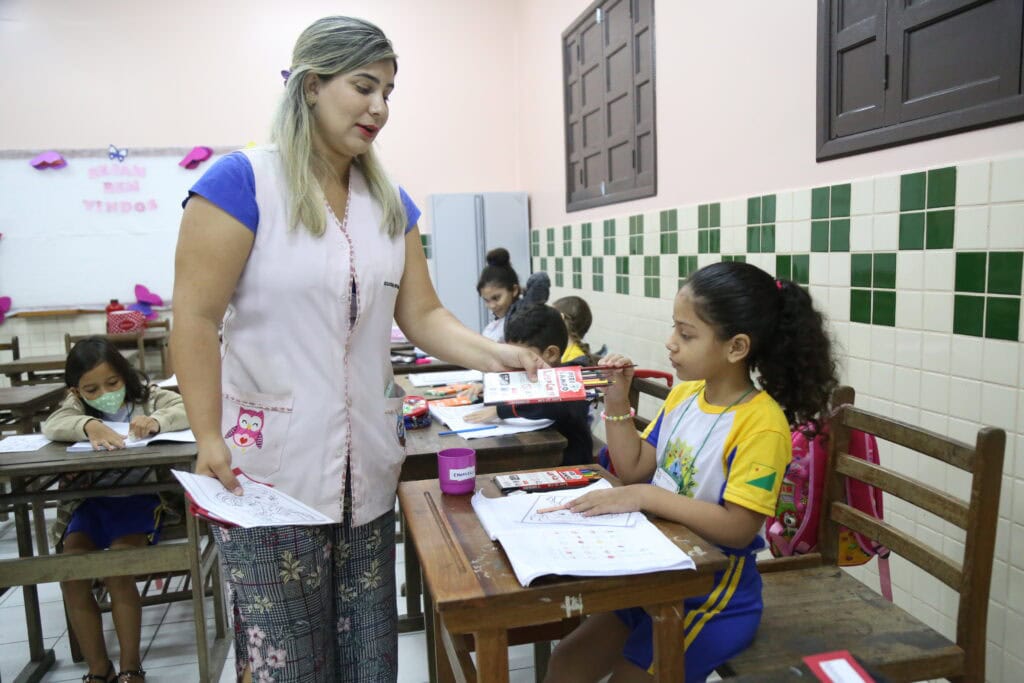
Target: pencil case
point(415, 413)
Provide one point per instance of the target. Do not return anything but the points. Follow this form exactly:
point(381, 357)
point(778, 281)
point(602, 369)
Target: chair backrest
point(165, 323)
point(970, 578)
point(645, 383)
point(121, 341)
point(13, 347)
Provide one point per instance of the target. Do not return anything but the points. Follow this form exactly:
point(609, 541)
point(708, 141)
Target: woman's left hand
point(483, 415)
point(142, 426)
point(607, 501)
point(513, 357)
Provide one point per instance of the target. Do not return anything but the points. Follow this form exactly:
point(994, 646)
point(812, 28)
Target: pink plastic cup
point(456, 468)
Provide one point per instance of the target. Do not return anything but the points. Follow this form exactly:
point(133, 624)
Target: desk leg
point(39, 520)
point(198, 605)
point(40, 660)
point(492, 655)
point(669, 662)
point(413, 619)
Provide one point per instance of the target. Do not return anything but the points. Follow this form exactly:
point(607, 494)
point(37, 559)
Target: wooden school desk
point(33, 473)
point(525, 450)
point(26, 370)
point(23, 402)
point(473, 591)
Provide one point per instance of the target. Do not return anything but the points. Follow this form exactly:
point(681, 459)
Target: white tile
point(801, 237)
point(860, 340)
point(971, 228)
point(881, 383)
point(862, 197)
point(819, 269)
point(783, 238)
point(858, 374)
point(908, 346)
point(734, 212)
point(999, 361)
point(839, 304)
point(839, 270)
point(966, 356)
point(972, 184)
point(883, 343)
point(939, 270)
point(687, 218)
point(967, 398)
point(1006, 226)
point(784, 207)
point(999, 407)
point(887, 194)
point(861, 233)
point(886, 232)
point(801, 205)
point(938, 312)
point(933, 421)
point(906, 386)
point(1007, 180)
point(909, 309)
point(934, 392)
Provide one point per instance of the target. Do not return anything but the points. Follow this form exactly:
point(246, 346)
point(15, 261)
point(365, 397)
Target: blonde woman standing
point(305, 252)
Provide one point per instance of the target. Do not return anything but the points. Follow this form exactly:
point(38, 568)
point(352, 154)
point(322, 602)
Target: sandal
point(130, 675)
point(110, 677)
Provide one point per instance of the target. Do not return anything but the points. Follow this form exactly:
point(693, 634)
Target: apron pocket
point(255, 428)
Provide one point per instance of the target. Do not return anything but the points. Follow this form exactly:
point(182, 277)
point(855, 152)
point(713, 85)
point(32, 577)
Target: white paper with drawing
point(562, 542)
point(260, 505)
point(180, 436)
point(455, 418)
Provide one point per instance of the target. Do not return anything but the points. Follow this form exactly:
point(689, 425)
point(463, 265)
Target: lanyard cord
point(713, 424)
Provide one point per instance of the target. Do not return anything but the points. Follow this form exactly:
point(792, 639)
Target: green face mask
point(108, 402)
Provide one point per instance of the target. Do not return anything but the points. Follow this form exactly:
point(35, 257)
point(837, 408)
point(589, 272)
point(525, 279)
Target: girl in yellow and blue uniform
point(713, 458)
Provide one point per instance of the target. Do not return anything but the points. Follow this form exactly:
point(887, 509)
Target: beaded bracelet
point(618, 418)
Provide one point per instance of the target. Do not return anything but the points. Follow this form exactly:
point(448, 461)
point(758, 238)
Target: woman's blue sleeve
point(411, 210)
point(231, 186)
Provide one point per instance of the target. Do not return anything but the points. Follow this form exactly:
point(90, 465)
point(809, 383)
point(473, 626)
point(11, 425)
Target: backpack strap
point(884, 578)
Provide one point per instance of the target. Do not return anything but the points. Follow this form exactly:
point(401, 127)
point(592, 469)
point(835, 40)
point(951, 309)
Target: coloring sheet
point(22, 442)
point(260, 505)
point(557, 499)
point(453, 417)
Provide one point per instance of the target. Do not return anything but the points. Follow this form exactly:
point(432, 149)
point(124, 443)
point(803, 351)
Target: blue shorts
point(717, 626)
point(108, 518)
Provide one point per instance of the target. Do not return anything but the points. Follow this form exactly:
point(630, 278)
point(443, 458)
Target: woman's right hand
point(619, 370)
point(215, 461)
point(102, 437)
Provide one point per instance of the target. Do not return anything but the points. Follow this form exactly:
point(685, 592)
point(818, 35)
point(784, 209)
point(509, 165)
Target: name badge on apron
point(664, 480)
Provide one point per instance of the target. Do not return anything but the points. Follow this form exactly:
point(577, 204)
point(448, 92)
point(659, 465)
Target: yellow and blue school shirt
point(739, 455)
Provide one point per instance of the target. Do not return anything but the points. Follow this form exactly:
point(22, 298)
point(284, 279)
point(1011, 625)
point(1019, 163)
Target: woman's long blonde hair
point(328, 47)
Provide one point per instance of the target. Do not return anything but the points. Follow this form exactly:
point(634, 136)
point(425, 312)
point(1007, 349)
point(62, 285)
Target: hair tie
point(285, 74)
point(778, 285)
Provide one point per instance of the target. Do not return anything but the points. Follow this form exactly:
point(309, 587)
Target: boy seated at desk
point(541, 329)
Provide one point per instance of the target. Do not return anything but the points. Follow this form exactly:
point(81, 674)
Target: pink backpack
point(794, 528)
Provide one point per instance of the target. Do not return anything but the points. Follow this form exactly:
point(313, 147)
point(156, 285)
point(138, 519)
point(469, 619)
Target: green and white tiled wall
point(957, 230)
point(920, 274)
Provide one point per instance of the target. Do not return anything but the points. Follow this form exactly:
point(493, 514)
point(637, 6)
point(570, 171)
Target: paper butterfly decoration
point(49, 159)
point(144, 302)
point(285, 74)
point(5, 305)
point(116, 154)
point(197, 156)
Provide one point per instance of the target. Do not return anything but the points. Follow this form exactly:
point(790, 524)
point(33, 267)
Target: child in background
point(540, 328)
point(103, 386)
point(712, 459)
point(576, 314)
point(499, 288)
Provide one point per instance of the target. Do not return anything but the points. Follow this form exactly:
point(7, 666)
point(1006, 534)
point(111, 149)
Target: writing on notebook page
point(563, 515)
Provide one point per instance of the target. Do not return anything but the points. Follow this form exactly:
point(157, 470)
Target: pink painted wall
point(735, 108)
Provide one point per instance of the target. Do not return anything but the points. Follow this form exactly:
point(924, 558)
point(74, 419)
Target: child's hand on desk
point(102, 437)
point(484, 415)
point(143, 426)
point(607, 501)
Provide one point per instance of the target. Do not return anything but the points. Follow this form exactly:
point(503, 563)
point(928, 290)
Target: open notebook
point(568, 543)
point(181, 436)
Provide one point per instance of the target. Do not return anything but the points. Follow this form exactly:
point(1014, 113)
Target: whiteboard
point(90, 231)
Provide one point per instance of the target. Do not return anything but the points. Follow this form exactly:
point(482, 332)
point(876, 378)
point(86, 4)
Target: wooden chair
point(13, 347)
point(136, 355)
point(811, 605)
point(165, 349)
point(646, 383)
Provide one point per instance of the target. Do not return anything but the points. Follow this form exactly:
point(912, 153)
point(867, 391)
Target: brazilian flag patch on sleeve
point(761, 477)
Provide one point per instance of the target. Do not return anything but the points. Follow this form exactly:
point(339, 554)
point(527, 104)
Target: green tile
point(768, 208)
point(702, 216)
point(597, 267)
point(784, 267)
point(884, 271)
point(1002, 318)
point(968, 315)
point(587, 231)
point(883, 308)
point(609, 246)
point(567, 233)
point(544, 264)
point(819, 202)
point(609, 227)
point(652, 287)
point(939, 234)
point(802, 269)
point(702, 241)
point(638, 220)
point(566, 248)
point(622, 265)
point(819, 236)
point(860, 270)
point(577, 281)
point(839, 237)
point(587, 249)
point(860, 306)
point(912, 191)
point(970, 271)
point(942, 187)
point(912, 231)
point(753, 239)
point(715, 241)
point(1004, 272)
point(551, 241)
point(767, 239)
point(636, 245)
point(652, 265)
point(598, 282)
point(534, 244)
point(840, 201)
point(753, 211)
point(621, 284)
point(715, 215)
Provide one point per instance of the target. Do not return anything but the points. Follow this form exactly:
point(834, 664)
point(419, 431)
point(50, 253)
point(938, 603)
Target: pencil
point(563, 506)
point(469, 429)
